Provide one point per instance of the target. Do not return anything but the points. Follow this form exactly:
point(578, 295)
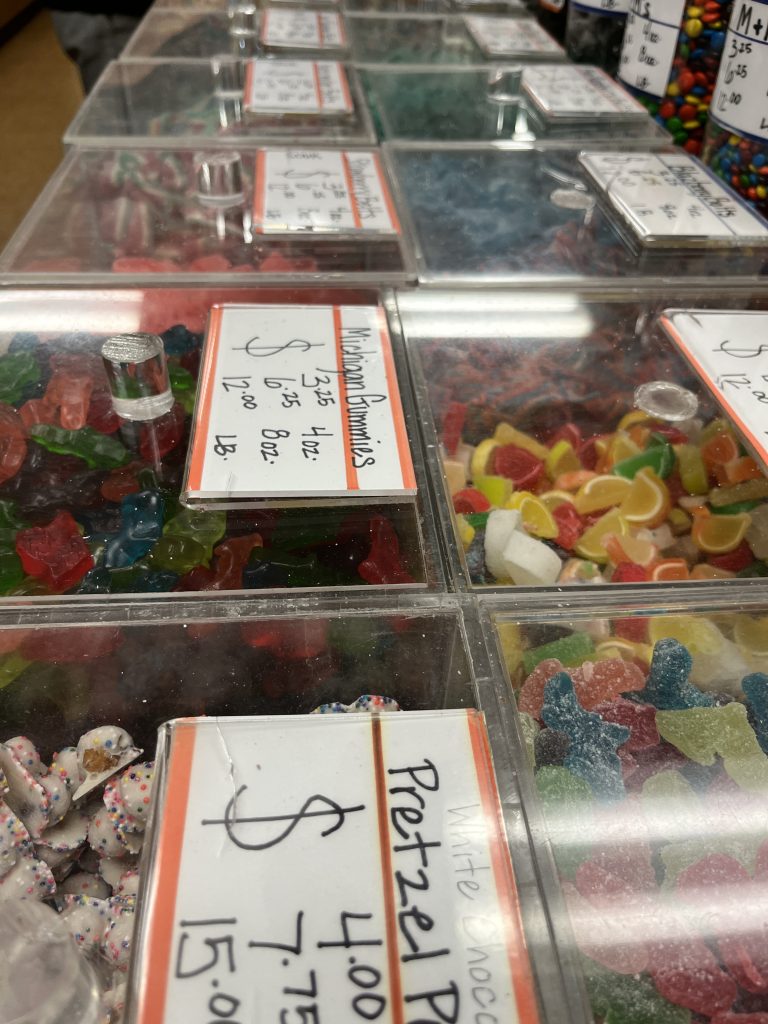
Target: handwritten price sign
point(729, 352)
point(297, 401)
point(374, 886)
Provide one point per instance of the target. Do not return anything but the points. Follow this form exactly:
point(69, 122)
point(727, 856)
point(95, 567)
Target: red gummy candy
point(740, 1018)
point(70, 393)
point(101, 415)
point(11, 639)
point(531, 696)
point(686, 972)
point(121, 482)
point(71, 645)
point(640, 719)
point(163, 435)
point(13, 442)
point(297, 640)
point(383, 564)
point(143, 265)
point(56, 554)
point(735, 560)
point(605, 938)
point(568, 432)
point(570, 525)
point(470, 500)
point(629, 572)
point(634, 629)
point(588, 453)
point(230, 558)
point(517, 464)
point(213, 264)
point(453, 424)
point(38, 410)
point(598, 681)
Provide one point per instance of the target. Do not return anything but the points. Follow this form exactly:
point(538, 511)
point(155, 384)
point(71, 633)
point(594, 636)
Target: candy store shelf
point(135, 216)
point(540, 369)
point(476, 103)
point(517, 213)
point(49, 334)
point(423, 39)
point(159, 104)
point(640, 745)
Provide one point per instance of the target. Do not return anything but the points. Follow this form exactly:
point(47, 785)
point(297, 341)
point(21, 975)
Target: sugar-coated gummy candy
point(668, 686)
point(569, 650)
point(550, 748)
point(624, 999)
point(598, 681)
point(568, 807)
point(531, 696)
point(593, 742)
point(755, 687)
point(529, 730)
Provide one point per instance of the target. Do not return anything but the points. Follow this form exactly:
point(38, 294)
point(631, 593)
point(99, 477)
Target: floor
point(41, 91)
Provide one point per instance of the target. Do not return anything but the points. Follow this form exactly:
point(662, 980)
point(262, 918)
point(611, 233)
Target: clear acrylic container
point(511, 212)
point(122, 216)
point(644, 791)
point(490, 103)
point(91, 495)
point(398, 6)
point(266, 658)
point(415, 39)
point(165, 104)
point(555, 374)
point(595, 31)
point(191, 34)
point(507, 39)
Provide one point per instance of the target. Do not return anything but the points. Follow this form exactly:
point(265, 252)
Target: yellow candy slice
point(481, 456)
point(699, 635)
point(591, 544)
point(561, 458)
point(719, 534)
point(506, 434)
point(554, 498)
point(601, 492)
point(536, 517)
point(647, 501)
point(752, 634)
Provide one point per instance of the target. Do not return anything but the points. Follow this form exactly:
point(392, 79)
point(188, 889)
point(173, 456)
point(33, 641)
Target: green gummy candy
point(736, 508)
point(704, 733)
point(11, 667)
point(181, 379)
point(10, 523)
point(660, 458)
point(477, 520)
point(677, 857)
point(569, 650)
point(11, 572)
point(17, 371)
point(178, 554)
point(205, 528)
point(529, 728)
point(97, 450)
point(629, 999)
point(757, 569)
point(566, 799)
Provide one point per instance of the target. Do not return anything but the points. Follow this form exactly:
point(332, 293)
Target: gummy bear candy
point(383, 564)
point(668, 687)
point(97, 450)
point(593, 742)
point(13, 444)
point(56, 553)
point(204, 528)
point(142, 525)
point(18, 370)
point(755, 687)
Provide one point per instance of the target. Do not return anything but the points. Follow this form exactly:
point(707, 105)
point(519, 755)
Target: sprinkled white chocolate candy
point(67, 767)
point(60, 862)
point(100, 753)
point(118, 934)
point(59, 798)
point(128, 884)
point(368, 702)
point(25, 795)
point(29, 878)
point(127, 797)
point(27, 754)
point(15, 841)
point(114, 1002)
point(71, 832)
point(82, 883)
point(86, 919)
point(112, 869)
point(103, 837)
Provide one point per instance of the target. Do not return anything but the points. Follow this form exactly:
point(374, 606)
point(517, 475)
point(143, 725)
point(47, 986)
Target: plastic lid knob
point(137, 375)
point(666, 400)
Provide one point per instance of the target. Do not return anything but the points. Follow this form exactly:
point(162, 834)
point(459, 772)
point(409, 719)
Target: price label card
point(346, 868)
point(300, 29)
point(322, 191)
point(729, 352)
point(506, 37)
point(298, 402)
point(569, 90)
point(613, 8)
point(739, 102)
point(650, 41)
point(670, 199)
point(297, 87)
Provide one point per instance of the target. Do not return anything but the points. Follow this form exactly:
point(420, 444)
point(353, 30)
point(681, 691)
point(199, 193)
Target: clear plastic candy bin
point(489, 103)
point(62, 680)
point(424, 39)
point(159, 215)
point(641, 740)
point(161, 104)
point(75, 477)
point(555, 457)
point(509, 212)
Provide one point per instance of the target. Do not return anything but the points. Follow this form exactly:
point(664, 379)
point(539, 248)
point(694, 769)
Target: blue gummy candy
point(142, 528)
point(755, 687)
point(668, 687)
point(592, 742)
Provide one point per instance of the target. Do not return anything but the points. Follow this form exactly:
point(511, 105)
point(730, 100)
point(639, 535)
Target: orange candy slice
point(718, 535)
point(670, 569)
point(601, 492)
point(631, 549)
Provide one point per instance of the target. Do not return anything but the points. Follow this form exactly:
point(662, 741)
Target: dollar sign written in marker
point(232, 823)
point(261, 351)
point(735, 349)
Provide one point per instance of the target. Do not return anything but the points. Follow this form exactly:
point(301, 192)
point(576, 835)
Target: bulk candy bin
point(551, 469)
point(106, 688)
point(509, 212)
point(425, 39)
point(595, 32)
point(159, 104)
point(98, 497)
point(129, 215)
point(642, 751)
point(518, 104)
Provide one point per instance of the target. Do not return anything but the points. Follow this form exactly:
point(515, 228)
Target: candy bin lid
point(641, 752)
point(153, 216)
point(501, 37)
point(188, 104)
point(578, 439)
point(82, 704)
point(413, 39)
point(556, 212)
point(191, 34)
point(90, 503)
point(486, 103)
